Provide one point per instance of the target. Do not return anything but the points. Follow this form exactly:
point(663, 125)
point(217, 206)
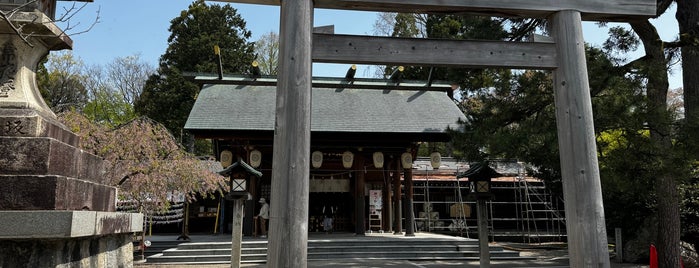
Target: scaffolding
point(433, 219)
point(522, 210)
point(540, 214)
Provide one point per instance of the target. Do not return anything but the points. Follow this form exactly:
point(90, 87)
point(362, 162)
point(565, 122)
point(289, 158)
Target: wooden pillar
point(387, 221)
point(587, 236)
point(397, 209)
point(483, 248)
point(237, 232)
point(249, 207)
point(288, 230)
point(360, 219)
point(410, 215)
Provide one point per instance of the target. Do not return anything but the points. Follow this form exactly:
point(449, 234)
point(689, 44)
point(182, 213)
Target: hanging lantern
point(407, 160)
point(226, 158)
point(378, 159)
point(317, 159)
point(347, 159)
point(255, 158)
point(436, 160)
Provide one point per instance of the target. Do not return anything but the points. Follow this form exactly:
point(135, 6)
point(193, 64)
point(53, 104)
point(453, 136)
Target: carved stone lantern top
point(48, 7)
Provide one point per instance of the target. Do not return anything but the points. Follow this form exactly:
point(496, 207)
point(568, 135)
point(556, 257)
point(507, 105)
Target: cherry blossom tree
point(144, 161)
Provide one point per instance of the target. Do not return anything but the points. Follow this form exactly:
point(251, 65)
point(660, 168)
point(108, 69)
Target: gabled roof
point(225, 107)
point(479, 171)
point(240, 164)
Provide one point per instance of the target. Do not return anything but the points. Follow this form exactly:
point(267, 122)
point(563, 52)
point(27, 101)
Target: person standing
point(328, 213)
point(263, 216)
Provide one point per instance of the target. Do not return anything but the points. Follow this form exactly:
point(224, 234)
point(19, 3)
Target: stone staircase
point(386, 247)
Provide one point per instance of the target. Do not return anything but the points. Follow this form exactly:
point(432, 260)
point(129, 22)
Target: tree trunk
point(688, 19)
point(655, 68)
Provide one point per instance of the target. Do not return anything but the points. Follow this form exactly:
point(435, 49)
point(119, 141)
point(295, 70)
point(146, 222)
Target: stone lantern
point(55, 205)
point(239, 174)
point(480, 176)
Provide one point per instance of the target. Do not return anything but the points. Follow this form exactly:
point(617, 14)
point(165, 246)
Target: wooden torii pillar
point(581, 182)
point(288, 231)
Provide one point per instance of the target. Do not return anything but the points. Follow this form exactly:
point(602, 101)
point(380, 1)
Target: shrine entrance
point(299, 47)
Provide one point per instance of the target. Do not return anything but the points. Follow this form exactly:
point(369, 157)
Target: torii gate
point(587, 236)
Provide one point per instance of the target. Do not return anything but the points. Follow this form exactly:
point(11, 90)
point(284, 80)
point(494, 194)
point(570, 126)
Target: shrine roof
point(336, 108)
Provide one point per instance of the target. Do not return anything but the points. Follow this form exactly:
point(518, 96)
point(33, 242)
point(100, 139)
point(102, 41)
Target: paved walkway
point(545, 256)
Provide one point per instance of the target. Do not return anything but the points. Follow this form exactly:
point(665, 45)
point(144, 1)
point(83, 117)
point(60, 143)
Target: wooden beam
point(608, 10)
point(582, 190)
point(353, 49)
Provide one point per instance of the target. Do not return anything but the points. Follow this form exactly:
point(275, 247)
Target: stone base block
point(51, 224)
point(102, 251)
point(33, 192)
point(48, 156)
point(31, 123)
point(67, 238)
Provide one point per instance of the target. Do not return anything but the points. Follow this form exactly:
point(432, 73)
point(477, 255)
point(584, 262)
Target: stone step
point(332, 243)
point(410, 255)
point(338, 248)
point(216, 252)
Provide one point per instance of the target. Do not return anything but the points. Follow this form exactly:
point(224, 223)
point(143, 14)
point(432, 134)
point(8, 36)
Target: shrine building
point(365, 134)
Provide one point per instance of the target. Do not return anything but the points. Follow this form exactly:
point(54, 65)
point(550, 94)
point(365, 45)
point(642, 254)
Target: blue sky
point(129, 27)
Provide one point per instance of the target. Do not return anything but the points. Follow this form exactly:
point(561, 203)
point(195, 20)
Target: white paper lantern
point(255, 158)
point(347, 159)
point(378, 159)
point(317, 159)
point(436, 160)
point(226, 158)
point(407, 160)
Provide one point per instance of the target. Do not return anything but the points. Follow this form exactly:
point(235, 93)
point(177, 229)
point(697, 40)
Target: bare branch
point(69, 13)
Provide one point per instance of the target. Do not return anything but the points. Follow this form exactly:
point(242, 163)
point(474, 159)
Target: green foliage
point(464, 27)
point(405, 25)
point(689, 211)
point(103, 94)
point(167, 96)
point(61, 82)
point(621, 39)
point(194, 33)
point(109, 108)
point(267, 53)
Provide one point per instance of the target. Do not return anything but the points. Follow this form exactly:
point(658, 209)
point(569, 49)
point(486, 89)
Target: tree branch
point(72, 11)
point(662, 6)
point(18, 30)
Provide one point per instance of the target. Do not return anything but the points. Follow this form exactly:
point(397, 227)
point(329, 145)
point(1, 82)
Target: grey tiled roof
point(252, 107)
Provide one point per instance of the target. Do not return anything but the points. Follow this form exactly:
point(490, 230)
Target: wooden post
point(410, 217)
point(360, 224)
point(483, 233)
point(618, 245)
point(388, 206)
point(397, 209)
point(288, 232)
point(587, 236)
point(237, 236)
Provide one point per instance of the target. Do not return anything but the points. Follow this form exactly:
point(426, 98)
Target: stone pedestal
point(56, 207)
